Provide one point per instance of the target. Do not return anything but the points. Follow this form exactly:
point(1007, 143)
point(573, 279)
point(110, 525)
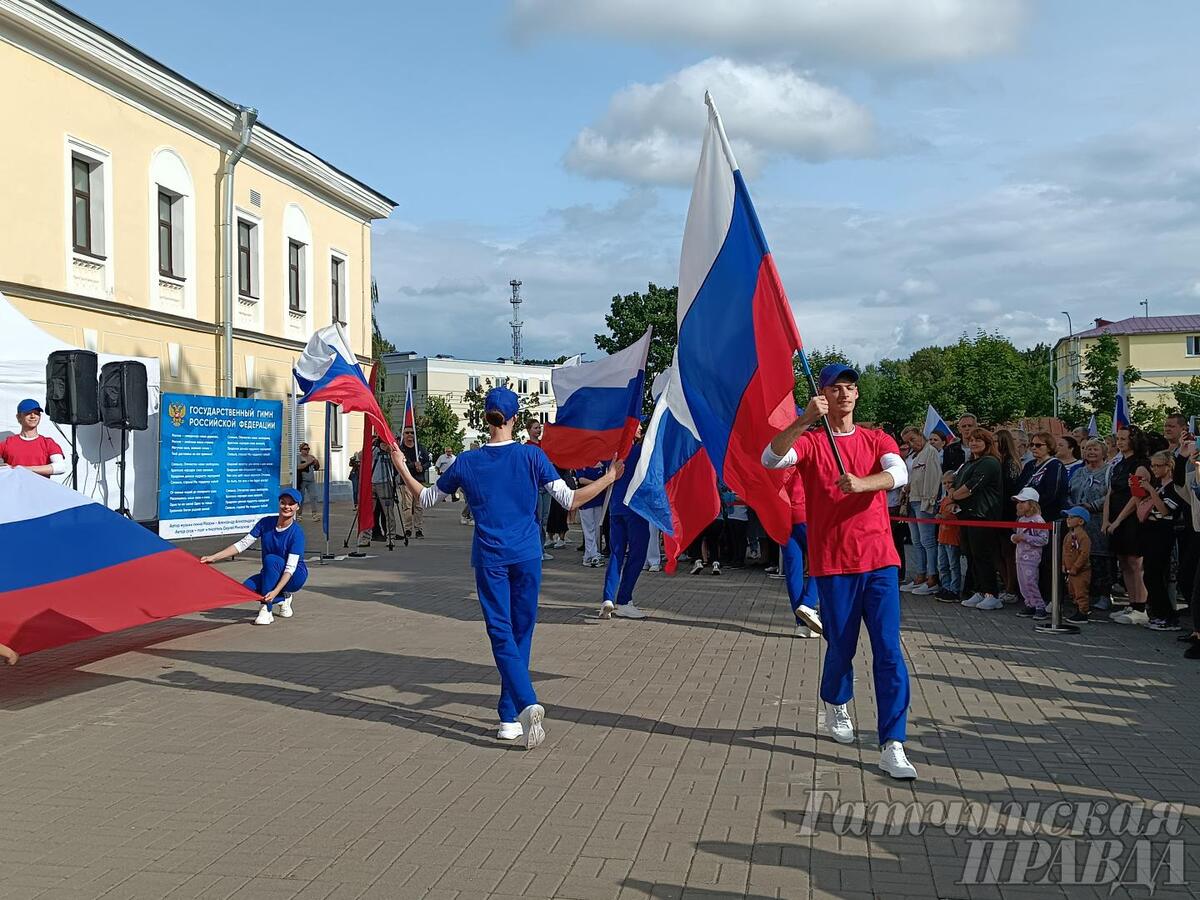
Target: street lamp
point(1145, 304)
point(1070, 328)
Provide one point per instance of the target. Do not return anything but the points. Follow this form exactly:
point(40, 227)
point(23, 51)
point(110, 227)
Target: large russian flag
point(72, 569)
point(599, 407)
point(328, 371)
point(737, 337)
point(674, 486)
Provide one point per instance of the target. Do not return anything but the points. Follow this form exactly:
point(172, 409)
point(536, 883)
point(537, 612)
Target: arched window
point(297, 271)
point(172, 245)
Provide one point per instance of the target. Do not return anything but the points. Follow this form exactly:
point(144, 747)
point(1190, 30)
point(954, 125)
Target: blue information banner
point(218, 464)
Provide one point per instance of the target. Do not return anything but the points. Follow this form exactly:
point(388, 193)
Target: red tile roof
point(1144, 325)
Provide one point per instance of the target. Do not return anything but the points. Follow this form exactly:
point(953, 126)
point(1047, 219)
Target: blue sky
point(920, 169)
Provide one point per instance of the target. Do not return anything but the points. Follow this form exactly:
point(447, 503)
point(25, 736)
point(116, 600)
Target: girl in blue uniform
point(283, 569)
point(501, 481)
point(628, 540)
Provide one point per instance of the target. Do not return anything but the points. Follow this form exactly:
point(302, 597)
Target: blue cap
point(1078, 512)
point(503, 401)
point(833, 372)
point(296, 496)
point(28, 406)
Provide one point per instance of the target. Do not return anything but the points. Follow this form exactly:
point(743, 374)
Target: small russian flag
point(935, 424)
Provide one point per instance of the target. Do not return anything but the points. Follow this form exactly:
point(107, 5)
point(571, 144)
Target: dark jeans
point(735, 537)
point(1157, 545)
point(899, 533)
point(1187, 543)
point(983, 558)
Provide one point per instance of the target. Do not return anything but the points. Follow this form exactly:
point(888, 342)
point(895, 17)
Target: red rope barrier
point(975, 523)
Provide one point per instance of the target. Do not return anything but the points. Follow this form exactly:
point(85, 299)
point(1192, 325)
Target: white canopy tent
point(23, 351)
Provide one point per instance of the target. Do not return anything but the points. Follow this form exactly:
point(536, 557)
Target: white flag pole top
point(712, 111)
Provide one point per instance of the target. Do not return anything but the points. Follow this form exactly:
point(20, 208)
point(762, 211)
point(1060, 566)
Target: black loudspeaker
point(124, 400)
point(71, 395)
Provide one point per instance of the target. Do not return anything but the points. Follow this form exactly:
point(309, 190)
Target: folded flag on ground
point(599, 406)
point(72, 569)
point(328, 371)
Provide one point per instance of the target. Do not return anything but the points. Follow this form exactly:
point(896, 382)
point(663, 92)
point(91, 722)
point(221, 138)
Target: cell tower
point(516, 319)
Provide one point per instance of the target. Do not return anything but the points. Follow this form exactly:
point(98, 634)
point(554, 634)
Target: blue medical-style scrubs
point(501, 482)
point(628, 538)
point(277, 546)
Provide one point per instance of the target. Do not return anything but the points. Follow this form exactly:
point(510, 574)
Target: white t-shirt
point(445, 461)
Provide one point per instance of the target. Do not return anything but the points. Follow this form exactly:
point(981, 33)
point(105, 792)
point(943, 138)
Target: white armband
point(431, 496)
point(772, 460)
point(894, 465)
point(559, 491)
point(293, 560)
point(245, 543)
point(58, 464)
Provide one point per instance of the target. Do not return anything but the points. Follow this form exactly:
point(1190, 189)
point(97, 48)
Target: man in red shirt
point(31, 450)
point(852, 556)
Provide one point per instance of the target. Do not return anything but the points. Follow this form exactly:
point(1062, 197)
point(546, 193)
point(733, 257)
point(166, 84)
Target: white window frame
point(1192, 345)
point(340, 256)
point(297, 324)
point(173, 293)
point(249, 308)
point(474, 382)
point(522, 385)
point(101, 190)
point(543, 387)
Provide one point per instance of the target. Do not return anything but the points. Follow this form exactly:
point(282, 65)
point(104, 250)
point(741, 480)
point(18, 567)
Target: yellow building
point(450, 378)
point(112, 218)
point(1165, 349)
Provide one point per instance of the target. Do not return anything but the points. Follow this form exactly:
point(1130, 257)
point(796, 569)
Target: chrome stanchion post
point(1056, 625)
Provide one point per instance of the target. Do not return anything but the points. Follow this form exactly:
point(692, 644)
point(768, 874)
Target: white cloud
point(651, 133)
point(867, 32)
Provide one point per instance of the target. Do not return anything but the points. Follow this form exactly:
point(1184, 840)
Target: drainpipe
point(247, 116)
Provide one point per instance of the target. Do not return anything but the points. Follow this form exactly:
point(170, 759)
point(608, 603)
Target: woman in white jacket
point(924, 486)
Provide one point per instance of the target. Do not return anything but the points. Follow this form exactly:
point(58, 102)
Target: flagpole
point(295, 413)
point(812, 388)
point(328, 448)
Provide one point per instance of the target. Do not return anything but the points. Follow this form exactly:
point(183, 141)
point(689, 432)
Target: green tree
point(1074, 415)
point(1039, 392)
point(628, 318)
point(437, 427)
point(989, 378)
point(474, 401)
point(1187, 396)
point(557, 361)
point(1097, 384)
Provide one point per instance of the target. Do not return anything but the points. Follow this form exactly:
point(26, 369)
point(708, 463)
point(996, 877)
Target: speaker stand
point(124, 510)
point(74, 460)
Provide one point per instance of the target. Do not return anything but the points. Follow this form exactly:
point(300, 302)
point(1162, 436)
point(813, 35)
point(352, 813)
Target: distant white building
point(450, 378)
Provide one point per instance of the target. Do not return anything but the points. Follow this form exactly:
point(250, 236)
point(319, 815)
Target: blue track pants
point(508, 596)
point(272, 571)
point(802, 591)
point(846, 602)
point(628, 539)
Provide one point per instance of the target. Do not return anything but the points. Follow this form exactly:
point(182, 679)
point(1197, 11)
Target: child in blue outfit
point(283, 569)
point(501, 481)
point(628, 542)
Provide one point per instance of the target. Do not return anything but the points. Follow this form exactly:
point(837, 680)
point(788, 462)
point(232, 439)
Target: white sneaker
point(549, 544)
point(803, 631)
point(990, 602)
point(530, 721)
point(811, 618)
point(264, 616)
point(629, 611)
point(893, 761)
point(697, 567)
point(546, 557)
point(1008, 598)
point(1138, 617)
point(558, 545)
point(716, 570)
point(285, 607)
point(908, 586)
point(973, 601)
point(596, 563)
point(925, 590)
point(838, 723)
point(606, 609)
point(654, 568)
point(509, 731)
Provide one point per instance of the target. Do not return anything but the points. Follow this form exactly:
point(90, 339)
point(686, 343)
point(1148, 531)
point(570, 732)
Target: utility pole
point(516, 320)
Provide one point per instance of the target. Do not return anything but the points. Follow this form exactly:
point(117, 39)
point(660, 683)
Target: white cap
point(1027, 493)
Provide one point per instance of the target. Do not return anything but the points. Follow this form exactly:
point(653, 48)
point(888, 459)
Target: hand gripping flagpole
point(812, 384)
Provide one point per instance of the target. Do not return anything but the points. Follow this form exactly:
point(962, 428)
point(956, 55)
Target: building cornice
point(141, 314)
point(202, 109)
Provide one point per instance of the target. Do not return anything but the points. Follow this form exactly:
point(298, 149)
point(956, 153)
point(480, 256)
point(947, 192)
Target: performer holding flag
point(853, 557)
point(501, 481)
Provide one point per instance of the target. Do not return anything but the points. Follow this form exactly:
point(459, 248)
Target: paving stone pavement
point(349, 751)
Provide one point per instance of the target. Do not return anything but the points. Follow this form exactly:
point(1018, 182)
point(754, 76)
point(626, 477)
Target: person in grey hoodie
point(924, 486)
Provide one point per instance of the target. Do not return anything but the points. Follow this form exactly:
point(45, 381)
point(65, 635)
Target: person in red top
point(852, 556)
point(30, 450)
point(802, 590)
